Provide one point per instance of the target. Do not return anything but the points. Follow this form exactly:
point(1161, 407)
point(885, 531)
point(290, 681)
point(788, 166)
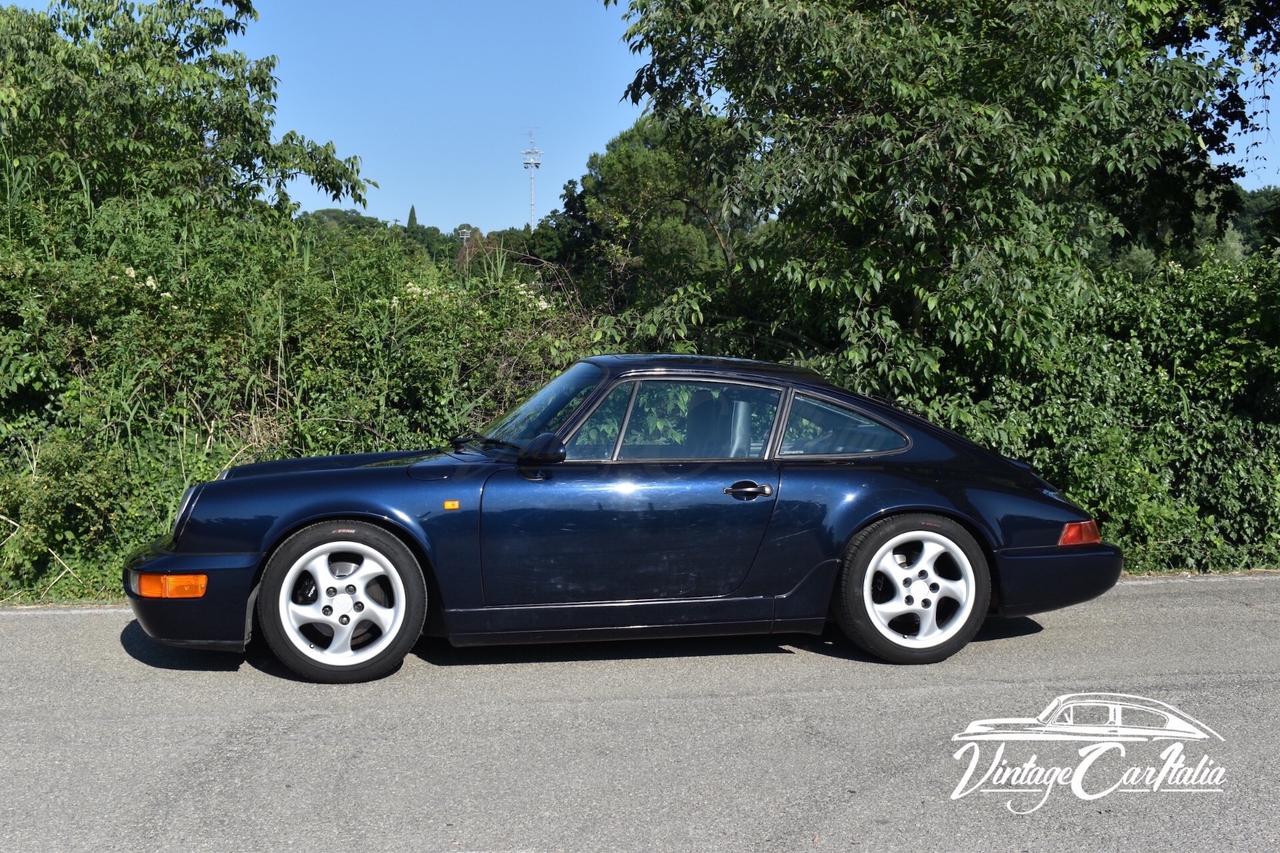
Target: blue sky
point(437, 98)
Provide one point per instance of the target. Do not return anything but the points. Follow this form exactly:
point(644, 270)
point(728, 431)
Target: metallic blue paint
point(584, 549)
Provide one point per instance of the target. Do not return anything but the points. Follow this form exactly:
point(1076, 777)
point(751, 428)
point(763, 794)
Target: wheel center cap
point(342, 603)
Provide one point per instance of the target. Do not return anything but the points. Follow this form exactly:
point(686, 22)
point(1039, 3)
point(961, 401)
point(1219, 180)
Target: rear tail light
point(172, 586)
point(1080, 533)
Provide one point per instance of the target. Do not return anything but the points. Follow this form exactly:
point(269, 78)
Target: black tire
point(402, 562)
point(852, 611)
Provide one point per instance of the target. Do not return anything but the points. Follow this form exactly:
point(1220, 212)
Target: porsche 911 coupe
point(632, 496)
point(1095, 717)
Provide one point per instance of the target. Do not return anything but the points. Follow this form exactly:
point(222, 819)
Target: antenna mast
point(532, 161)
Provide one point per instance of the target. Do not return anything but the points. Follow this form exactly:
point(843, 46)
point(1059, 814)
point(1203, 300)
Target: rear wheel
point(914, 589)
point(342, 601)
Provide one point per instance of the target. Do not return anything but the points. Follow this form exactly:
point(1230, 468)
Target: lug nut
point(351, 589)
point(922, 574)
point(924, 603)
point(933, 587)
point(910, 600)
point(344, 619)
point(906, 581)
point(327, 610)
point(331, 592)
point(359, 606)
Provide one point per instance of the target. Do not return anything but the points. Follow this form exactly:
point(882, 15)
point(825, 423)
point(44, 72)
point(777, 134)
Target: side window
point(1143, 718)
point(1091, 715)
point(818, 428)
point(594, 440)
point(674, 419)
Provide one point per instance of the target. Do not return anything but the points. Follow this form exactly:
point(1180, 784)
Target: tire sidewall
point(401, 559)
point(857, 623)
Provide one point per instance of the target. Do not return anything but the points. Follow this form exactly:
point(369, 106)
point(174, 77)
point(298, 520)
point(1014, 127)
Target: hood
point(394, 458)
point(1000, 724)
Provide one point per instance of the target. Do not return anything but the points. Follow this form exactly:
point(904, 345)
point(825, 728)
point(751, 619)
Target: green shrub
point(1160, 412)
point(128, 373)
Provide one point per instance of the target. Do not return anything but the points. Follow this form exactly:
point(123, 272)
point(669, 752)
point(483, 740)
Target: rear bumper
point(1033, 580)
point(221, 619)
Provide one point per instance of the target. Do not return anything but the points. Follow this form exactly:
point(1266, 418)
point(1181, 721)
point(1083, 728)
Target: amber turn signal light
point(1080, 533)
point(172, 586)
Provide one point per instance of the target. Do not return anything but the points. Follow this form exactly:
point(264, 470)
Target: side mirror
point(545, 449)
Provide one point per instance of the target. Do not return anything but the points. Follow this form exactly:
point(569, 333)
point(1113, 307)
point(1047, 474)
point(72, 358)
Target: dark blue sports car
point(634, 495)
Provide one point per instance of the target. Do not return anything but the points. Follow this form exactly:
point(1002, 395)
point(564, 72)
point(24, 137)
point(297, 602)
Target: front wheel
point(914, 589)
point(342, 601)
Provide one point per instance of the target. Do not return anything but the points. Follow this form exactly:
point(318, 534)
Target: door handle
point(748, 490)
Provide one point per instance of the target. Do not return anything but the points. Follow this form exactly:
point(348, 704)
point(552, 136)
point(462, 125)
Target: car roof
point(619, 363)
point(1113, 699)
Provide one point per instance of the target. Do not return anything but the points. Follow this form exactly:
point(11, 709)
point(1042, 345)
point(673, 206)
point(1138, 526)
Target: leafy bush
point(123, 379)
point(1161, 412)
point(163, 314)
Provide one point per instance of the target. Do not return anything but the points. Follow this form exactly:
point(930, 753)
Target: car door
point(665, 493)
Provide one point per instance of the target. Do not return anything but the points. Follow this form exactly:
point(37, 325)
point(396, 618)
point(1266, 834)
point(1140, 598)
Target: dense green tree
point(642, 221)
point(412, 223)
point(933, 172)
point(107, 100)
point(163, 314)
point(349, 220)
point(1258, 220)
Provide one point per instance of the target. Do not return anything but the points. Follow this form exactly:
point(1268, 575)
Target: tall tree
point(412, 224)
point(935, 173)
point(112, 99)
point(643, 220)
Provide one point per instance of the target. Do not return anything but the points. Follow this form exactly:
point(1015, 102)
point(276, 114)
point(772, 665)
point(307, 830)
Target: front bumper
point(221, 619)
point(1033, 580)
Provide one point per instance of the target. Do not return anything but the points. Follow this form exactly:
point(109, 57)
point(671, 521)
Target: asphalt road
point(111, 742)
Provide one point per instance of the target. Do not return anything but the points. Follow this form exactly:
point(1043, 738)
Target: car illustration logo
point(1095, 717)
point(1106, 743)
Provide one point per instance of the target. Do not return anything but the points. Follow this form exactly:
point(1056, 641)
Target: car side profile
point(1117, 717)
point(633, 495)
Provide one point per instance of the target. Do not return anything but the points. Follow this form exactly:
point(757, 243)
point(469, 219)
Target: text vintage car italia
point(637, 495)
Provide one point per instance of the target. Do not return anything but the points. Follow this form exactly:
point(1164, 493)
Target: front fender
point(253, 516)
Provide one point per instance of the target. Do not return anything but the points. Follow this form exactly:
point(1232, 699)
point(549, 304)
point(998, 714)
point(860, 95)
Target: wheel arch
point(416, 543)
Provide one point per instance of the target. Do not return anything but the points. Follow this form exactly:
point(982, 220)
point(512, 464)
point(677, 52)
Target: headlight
point(184, 508)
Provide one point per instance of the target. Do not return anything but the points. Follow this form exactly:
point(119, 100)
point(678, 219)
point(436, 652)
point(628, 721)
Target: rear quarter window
point(820, 428)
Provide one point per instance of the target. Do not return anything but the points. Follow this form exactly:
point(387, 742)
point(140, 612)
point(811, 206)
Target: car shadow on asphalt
point(143, 649)
point(1007, 628)
point(438, 652)
point(834, 644)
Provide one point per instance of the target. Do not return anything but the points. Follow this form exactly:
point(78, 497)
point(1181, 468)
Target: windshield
point(548, 408)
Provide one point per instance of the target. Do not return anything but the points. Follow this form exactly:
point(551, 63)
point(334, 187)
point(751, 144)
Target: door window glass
point(818, 428)
point(675, 419)
point(1090, 715)
point(595, 439)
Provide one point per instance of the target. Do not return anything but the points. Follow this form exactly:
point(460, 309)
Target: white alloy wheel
point(342, 603)
point(919, 589)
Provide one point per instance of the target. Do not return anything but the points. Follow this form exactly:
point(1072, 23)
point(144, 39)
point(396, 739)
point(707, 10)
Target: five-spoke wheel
point(915, 588)
point(342, 601)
